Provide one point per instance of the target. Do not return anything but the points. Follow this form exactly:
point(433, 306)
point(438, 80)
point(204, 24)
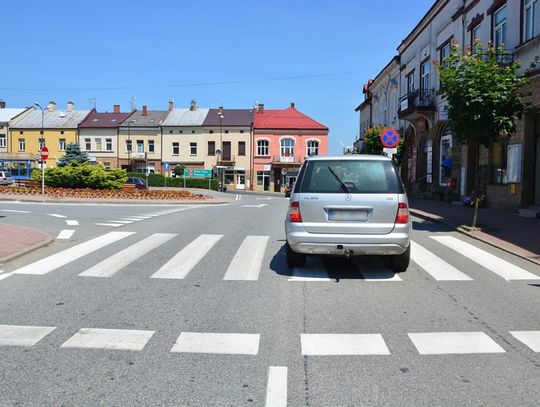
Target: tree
point(73, 154)
point(483, 90)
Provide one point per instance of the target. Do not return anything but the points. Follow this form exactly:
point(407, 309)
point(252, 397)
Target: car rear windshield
point(353, 176)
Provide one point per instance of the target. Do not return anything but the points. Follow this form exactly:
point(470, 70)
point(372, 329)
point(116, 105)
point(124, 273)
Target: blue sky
point(317, 54)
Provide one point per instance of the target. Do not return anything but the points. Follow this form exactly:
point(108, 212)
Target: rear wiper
point(340, 180)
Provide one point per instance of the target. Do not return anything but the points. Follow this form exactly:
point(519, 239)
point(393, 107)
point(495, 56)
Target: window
point(22, 144)
point(98, 144)
point(475, 34)
point(108, 144)
point(176, 148)
point(241, 131)
point(41, 143)
point(151, 146)
point(287, 147)
point(445, 164)
point(226, 131)
point(410, 82)
point(262, 147)
point(62, 144)
point(88, 144)
point(425, 73)
point(445, 51)
point(498, 162)
point(211, 148)
point(107, 165)
point(128, 146)
point(499, 27)
point(140, 146)
point(211, 131)
point(2, 140)
point(241, 148)
point(312, 147)
point(529, 18)
point(193, 148)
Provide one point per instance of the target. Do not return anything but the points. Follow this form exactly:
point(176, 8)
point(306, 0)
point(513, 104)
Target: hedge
point(158, 180)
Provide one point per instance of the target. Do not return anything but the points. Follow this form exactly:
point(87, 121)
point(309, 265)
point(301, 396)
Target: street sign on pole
point(166, 166)
point(44, 153)
point(389, 138)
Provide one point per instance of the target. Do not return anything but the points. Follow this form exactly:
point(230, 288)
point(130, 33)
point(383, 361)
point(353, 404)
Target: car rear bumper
point(300, 241)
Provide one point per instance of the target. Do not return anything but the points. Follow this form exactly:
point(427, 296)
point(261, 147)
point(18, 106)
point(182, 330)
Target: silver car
point(348, 205)
point(6, 178)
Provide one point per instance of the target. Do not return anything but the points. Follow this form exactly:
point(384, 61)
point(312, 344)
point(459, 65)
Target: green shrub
point(75, 175)
point(158, 180)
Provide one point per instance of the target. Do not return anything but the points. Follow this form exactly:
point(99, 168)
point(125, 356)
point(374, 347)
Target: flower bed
point(87, 193)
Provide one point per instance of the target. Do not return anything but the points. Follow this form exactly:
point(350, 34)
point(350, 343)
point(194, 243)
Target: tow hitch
point(348, 254)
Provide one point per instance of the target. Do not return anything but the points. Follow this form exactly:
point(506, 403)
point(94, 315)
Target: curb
point(436, 218)
point(27, 249)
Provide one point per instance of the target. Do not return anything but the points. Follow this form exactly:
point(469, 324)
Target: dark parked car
point(140, 183)
point(288, 190)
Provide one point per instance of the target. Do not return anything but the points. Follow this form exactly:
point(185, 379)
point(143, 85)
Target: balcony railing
point(420, 100)
point(227, 158)
point(286, 158)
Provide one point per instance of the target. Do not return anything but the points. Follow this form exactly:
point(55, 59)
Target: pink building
point(282, 140)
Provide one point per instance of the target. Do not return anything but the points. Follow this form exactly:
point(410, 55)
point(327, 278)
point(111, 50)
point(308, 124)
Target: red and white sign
point(389, 138)
point(44, 153)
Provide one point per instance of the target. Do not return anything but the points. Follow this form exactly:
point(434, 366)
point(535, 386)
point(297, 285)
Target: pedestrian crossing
point(249, 260)
point(114, 223)
point(248, 344)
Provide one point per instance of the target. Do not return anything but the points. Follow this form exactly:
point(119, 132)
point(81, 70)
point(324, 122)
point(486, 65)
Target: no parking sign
point(389, 138)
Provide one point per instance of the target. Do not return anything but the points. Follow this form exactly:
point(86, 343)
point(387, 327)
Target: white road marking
point(247, 262)
point(123, 222)
point(55, 215)
point(529, 338)
point(444, 343)
point(376, 272)
point(183, 262)
point(5, 275)
point(501, 267)
point(343, 344)
point(20, 335)
point(64, 257)
point(65, 234)
point(115, 263)
point(142, 216)
point(276, 390)
point(225, 343)
point(313, 271)
point(116, 339)
point(14, 211)
point(435, 266)
point(254, 206)
point(72, 222)
point(263, 199)
point(133, 218)
point(114, 225)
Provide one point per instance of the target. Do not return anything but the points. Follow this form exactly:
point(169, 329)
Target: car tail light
point(402, 213)
point(294, 212)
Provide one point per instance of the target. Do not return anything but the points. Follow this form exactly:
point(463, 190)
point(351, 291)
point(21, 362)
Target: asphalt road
point(202, 310)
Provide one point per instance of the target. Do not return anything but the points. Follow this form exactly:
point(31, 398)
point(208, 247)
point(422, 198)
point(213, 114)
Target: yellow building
point(49, 127)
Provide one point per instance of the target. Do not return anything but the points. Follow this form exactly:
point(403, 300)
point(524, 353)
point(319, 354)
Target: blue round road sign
point(389, 138)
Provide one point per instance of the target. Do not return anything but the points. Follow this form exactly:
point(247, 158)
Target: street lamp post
point(220, 114)
point(42, 138)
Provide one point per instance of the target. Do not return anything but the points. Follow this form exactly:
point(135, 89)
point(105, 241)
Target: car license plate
point(338, 215)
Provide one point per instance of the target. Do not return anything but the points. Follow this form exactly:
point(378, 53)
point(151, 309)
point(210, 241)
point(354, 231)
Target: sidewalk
point(499, 228)
point(17, 240)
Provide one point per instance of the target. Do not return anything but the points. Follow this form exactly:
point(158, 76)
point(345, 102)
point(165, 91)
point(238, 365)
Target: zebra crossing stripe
point(247, 262)
point(114, 339)
point(110, 266)
point(444, 343)
point(114, 225)
point(19, 335)
point(529, 338)
point(501, 267)
point(223, 343)
point(65, 234)
point(64, 257)
point(435, 266)
point(343, 344)
point(377, 272)
point(183, 262)
point(313, 271)
point(276, 390)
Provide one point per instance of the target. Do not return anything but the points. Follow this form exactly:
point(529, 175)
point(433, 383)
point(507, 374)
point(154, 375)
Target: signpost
point(390, 139)
point(44, 153)
point(166, 167)
point(198, 173)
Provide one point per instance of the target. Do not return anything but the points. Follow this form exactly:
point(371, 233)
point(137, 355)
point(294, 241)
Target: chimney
point(116, 108)
point(260, 107)
point(70, 106)
point(2, 104)
point(292, 105)
point(144, 111)
point(193, 106)
point(171, 105)
point(51, 106)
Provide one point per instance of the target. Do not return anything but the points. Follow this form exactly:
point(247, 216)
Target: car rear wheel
point(295, 259)
point(400, 263)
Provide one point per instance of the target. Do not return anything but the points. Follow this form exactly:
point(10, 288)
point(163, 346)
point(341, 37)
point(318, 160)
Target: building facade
point(18, 164)
point(435, 164)
point(282, 140)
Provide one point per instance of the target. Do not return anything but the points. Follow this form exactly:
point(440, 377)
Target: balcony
point(416, 104)
point(227, 159)
point(286, 159)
